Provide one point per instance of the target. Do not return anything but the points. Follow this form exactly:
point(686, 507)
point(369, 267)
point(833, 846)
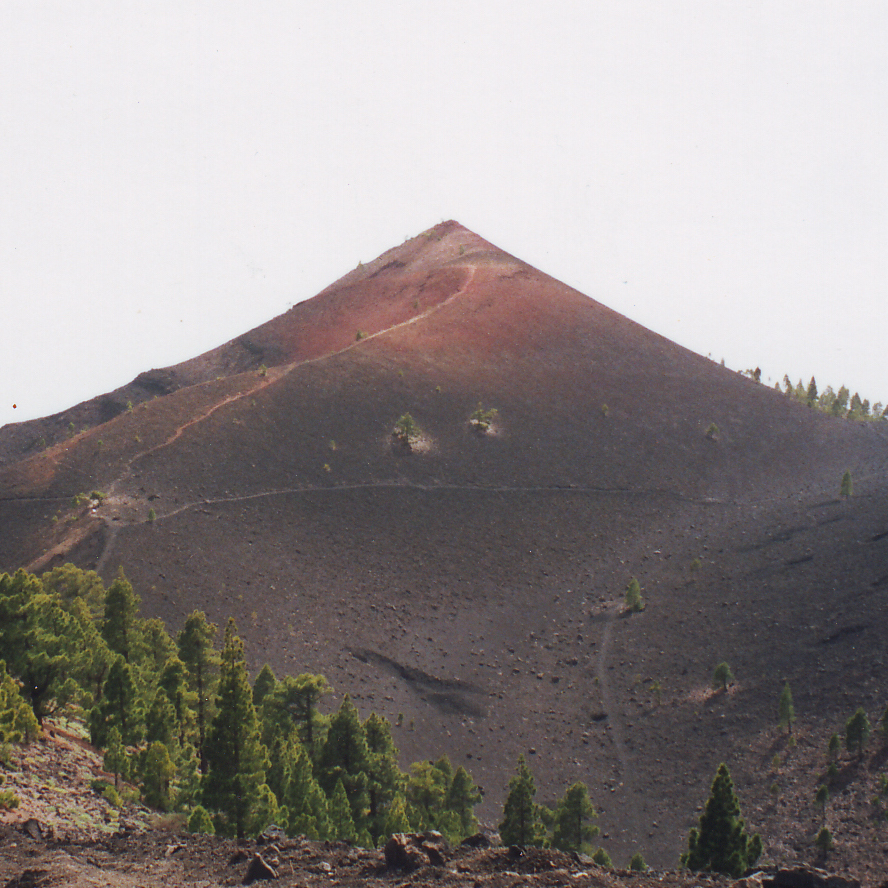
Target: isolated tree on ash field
point(573, 828)
point(521, 823)
point(857, 732)
point(720, 844)
point(722, 676)
point(785, 710)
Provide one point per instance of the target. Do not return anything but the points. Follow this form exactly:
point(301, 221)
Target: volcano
point(468, 583)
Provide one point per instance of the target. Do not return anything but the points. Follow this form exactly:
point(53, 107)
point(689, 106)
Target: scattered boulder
point(410, 851)
point(271, 833)
point(259, 869)
point(803, 876)
point(478, 841)
point(30, 878)
point(32, 828)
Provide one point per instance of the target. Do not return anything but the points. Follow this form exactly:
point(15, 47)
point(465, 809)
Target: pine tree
point(155, 646)
point(847, 486)
point(833, 747)
point(115, 760)
point(199, 821)
point(161, 723)
point(119, 707)
point(721, 844)
point(855, 410)
point(18, 724)
point(120, 624)
point(202, 661)
point(158, 773)
point(384, 777)
point(174, 681)
point(637, 864)
point(187, 777)
point(602, 858)
point(462, 797)
point(634, 601)
point(722, 676)
point(826, 400)
point(39, 640)
point(342, 826)
point(345, 757)
point(785, 710)
point(93, 658)
point(280, 757)
point(812, 392)
point(265, 683)
point(521, 824)
point(266, 810)
point(305, 801)
point(397, 820)
point(235, 755)
point(294, 703)
point(427, 786)
point(72, 584)
point(857, 732)
point(574, 829)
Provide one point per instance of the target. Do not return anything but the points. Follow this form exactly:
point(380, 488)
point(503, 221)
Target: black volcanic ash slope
point(475, 583)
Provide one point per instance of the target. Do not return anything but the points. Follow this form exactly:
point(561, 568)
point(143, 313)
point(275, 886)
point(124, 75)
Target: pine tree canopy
point(120, 625)
point(265, 683)
point(785, 710)
point(521, 824)
point(857, 731)
point(720, 844)
point(197, 652)
point(235, 755)
point(573, 827)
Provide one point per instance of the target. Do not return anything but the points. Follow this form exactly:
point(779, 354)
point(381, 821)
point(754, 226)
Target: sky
point(173, 174)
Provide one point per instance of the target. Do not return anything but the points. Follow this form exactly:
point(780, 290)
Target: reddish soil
point(475, 585)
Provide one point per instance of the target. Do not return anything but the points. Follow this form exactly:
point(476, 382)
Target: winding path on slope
point(627, 795)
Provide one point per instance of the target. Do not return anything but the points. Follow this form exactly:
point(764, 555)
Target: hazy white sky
point(175, 173)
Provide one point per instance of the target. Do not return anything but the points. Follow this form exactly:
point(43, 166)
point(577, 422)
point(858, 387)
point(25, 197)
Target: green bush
point(481, 419)
point(637, 864)
point(602, 858)
point(634, 602)
point(722, 676)
point(406, 430)
point(8, 799)
point(199, 821)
